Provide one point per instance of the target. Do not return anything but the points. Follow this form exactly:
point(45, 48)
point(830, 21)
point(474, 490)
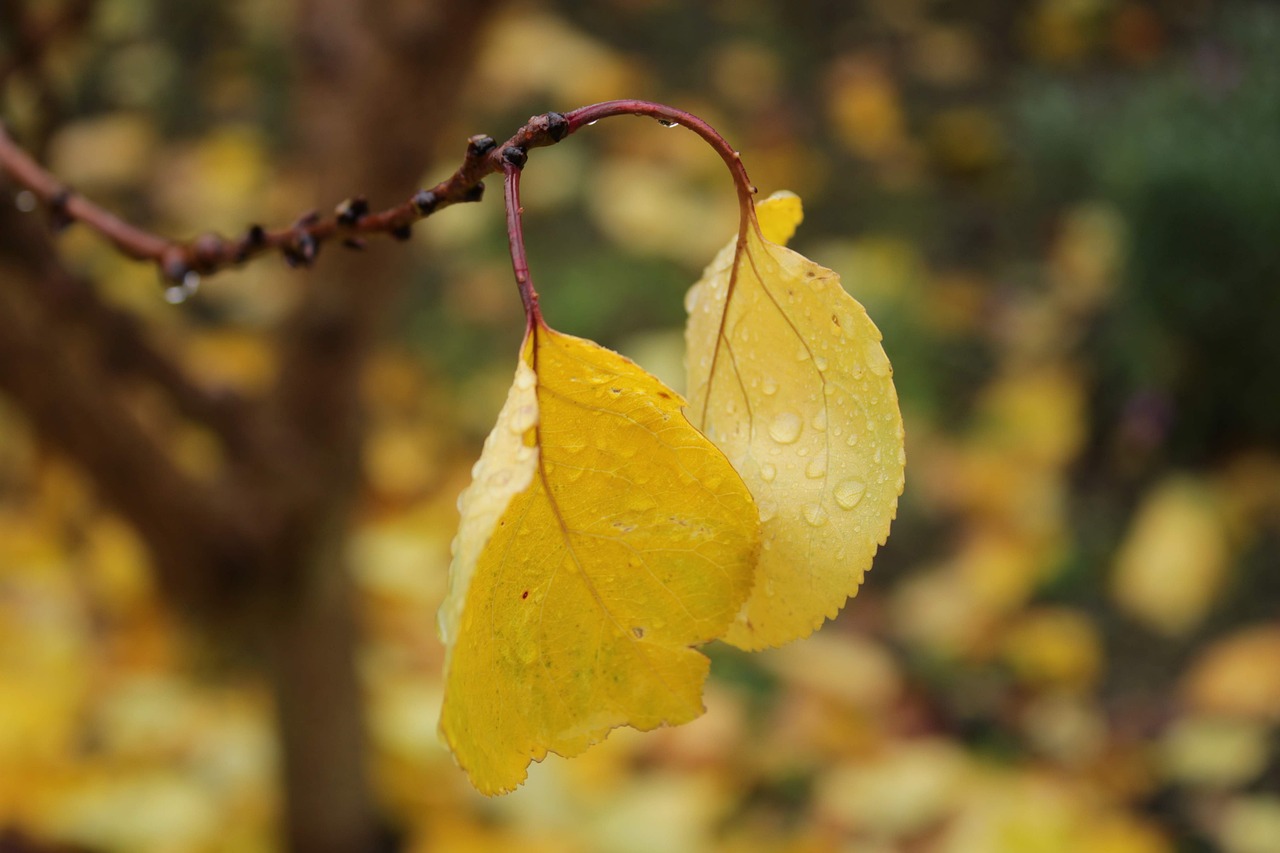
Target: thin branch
point(183, 262)
point(119, 340)
point(298, 243)
point(669, 117)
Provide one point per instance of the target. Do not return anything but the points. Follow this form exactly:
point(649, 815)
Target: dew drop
point(179, 293)
point(815, 515)
point(25, 201)
point(768, 509)
point(666, 122)
point(768, 472)
point(820, 362)
point(803, 354)
point(785, 428)
point(877, 361)
point(525, 380)
point(592, 123)
point(523, 418)
point(769, 387)
point(820, 421)
point(849, 493)
point(816, 469)
point(852, 440)
point(691, 299)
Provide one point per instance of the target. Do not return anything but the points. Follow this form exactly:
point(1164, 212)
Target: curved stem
point(515, 239)
point(669, 116)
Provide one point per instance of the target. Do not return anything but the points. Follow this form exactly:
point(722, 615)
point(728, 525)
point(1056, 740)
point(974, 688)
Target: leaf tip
point(779, 216)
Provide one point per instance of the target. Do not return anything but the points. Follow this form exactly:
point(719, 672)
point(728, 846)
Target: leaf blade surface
point(787, 375)
point(631, 540)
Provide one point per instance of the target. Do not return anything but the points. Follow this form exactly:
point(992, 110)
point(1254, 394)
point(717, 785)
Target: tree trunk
point(329, 806)
point(378, 77)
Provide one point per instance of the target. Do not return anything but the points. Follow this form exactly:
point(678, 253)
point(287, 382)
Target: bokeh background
point(1064, 215)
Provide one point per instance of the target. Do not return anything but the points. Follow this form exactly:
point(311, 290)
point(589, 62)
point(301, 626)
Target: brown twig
point(669, 117)
point(298, 243)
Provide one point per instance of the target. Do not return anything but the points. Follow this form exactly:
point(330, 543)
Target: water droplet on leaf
point(768, 509)
point(849, 493)
point(785, 428)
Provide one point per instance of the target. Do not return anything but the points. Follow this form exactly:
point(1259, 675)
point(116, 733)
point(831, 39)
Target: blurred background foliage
point(1063, 214)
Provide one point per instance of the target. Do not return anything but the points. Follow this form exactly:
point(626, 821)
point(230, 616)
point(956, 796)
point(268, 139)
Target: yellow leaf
point(1174, 559)
point(1237, 676)
point(1054, 647)
point(601, 538)
point(787, 376)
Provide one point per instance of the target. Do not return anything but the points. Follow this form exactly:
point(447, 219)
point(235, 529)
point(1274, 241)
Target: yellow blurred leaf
point(158, 810)
point(1251, 824)
point(788, 377)
point(1066, 728)
point(113, 150)
point(1174, 558)
point(217, 183)
point(865, 108)
point(1238, 675)
point(1214, 751)
point(230, 359)
point(1054, 647)
point(900, 792)
point(530, 51)
point(848, 668)
point(601, 538)
point(1122, 833)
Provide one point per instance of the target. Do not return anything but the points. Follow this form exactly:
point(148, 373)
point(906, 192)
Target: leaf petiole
point(668, 117)
point(515, 240)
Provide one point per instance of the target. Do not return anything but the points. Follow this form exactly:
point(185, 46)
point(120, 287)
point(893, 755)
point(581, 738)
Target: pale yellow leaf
point(788, 377)
point(1174, 559)
point(602, 538)
point(1237, 676)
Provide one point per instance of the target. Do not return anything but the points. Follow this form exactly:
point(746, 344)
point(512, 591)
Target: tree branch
point(117, 337)
point(300, 242)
